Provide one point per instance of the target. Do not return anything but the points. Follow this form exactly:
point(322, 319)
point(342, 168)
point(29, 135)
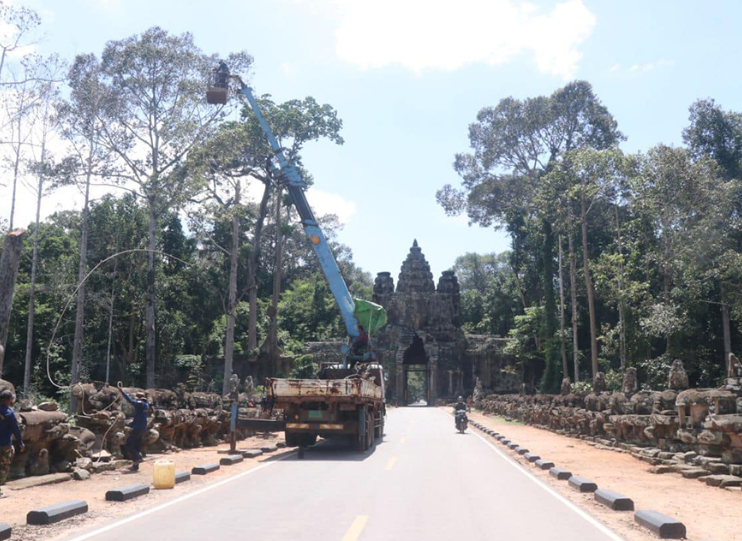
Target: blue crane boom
point(295, 186)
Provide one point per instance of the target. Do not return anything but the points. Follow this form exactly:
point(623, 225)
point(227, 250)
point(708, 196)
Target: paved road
point(425, 482)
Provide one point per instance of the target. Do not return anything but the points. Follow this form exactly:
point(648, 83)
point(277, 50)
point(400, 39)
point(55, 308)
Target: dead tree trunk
point(232, 294)
point(590, 290)
point(32, 289)
point(573, 302)
point(150, 308)
point(273, 335)
point(252, 270)
point(725, 328)
point(565, 366)
point(9, 260)
point(82, 270)
point(621, 300)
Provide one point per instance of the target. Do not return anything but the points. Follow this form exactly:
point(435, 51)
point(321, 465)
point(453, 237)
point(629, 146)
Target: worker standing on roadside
point(133, 446)
point(8, 430)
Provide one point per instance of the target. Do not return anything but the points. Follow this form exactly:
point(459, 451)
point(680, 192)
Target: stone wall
point(178, 420)
point(706, 423)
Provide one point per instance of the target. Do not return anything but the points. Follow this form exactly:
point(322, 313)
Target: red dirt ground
point(707, 512)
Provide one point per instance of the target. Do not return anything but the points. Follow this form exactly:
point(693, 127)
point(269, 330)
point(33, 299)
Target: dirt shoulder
point(17, 503)
point(707, 512)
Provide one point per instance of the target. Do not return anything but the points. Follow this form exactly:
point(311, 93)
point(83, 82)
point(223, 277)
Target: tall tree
point(237, 155)
point(514, 144)
point(589, 178)
point(159, 114)
point(716, 133)
point(41, 167)
point(81, 121)
point(687, 206)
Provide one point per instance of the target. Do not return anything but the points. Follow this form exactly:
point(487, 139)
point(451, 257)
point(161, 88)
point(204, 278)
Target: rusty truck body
point(339, 403)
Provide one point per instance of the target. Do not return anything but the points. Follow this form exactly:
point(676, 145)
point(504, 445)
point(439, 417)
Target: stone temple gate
point(423, 342)
point(423, 332)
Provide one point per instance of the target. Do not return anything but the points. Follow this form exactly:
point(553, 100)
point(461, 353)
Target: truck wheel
point(308, 440)
point(292, 440)
point(379, 430)
point(370, 432)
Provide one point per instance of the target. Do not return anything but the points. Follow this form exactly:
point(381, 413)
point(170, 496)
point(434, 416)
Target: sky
point(408, 76)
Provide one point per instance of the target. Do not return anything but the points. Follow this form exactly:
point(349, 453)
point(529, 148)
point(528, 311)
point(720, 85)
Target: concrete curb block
point(206, 468)
point(544, 464)
point(662, 525)
point(230, 460)
point(512, 445)
point(269, 448)
point(530, 457)
point(56, 513)
point(614, 500)
point(128, 492)
point(281, 445)
point(521, 450)
point(252, 453)
point(559, 473)
point(505, 441)
point(5, 531)
point(582, 485)
point(182, 477)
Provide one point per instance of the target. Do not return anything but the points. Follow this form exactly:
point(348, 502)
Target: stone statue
point(249, 387)
point(599, 383)
point(678, 379)
point(566, 386)
point(630, 381)
point(234, 385)
point(735, 367)
point(478, 394)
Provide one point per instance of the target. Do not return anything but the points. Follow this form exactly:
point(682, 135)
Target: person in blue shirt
point(9, 429)
point(132, 448)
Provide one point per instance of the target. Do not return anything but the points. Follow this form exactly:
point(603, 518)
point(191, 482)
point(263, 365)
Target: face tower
point(422, 346)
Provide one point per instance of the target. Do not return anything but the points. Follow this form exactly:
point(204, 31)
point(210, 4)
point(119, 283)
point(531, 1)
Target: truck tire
point(379, 430)
point(365, 427)
point(307, 440)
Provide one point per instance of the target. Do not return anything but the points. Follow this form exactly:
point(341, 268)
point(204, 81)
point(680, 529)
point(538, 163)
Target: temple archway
point(416, 374)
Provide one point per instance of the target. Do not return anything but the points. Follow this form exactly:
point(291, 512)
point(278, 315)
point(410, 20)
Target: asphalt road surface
point(424, 482)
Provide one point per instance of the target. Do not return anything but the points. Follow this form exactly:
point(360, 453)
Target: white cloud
point(647, 67)
point(443, 35)
point(331, 203)
point(289, 70)
point(320, 201)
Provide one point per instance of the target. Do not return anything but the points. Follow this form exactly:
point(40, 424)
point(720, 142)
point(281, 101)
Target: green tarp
point(370, 315)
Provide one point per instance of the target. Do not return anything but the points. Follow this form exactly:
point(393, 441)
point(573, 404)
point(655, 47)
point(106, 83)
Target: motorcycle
point(462, 421)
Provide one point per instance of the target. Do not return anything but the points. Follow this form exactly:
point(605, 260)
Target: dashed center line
point(390, 463)
point(356, 528)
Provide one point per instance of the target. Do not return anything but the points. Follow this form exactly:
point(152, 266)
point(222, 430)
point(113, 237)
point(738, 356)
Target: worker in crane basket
point(360, 344)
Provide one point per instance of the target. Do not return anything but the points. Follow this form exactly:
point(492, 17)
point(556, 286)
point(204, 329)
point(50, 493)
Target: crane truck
point(345, 400)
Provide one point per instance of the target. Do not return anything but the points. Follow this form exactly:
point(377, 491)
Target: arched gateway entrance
point(416, 374)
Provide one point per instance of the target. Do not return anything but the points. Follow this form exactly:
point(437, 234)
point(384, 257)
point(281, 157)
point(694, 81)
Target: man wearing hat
point(133, 445)
point(8, 429)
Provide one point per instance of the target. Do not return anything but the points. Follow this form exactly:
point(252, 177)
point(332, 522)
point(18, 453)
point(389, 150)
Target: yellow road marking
point(390, 463)
point(356, 528)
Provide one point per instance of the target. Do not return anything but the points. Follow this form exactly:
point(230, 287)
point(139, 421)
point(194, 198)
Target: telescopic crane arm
point(295, 186)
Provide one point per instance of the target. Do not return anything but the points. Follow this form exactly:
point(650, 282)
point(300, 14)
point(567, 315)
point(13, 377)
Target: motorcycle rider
point(460, 405)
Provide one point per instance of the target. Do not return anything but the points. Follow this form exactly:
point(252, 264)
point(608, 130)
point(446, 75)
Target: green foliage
point(653, 373)
point(582, 387)
point(304, 367)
